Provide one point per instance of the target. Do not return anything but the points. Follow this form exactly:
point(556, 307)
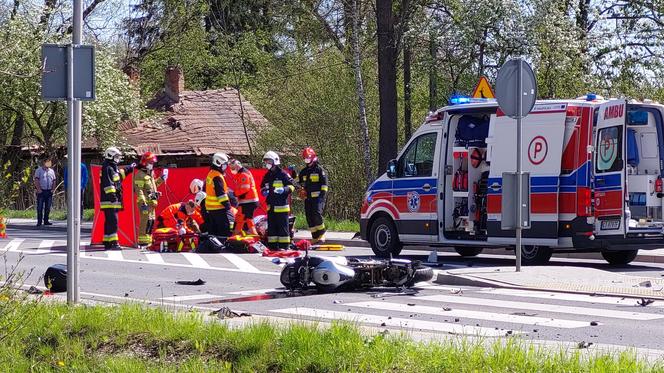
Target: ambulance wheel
point(384, 238)
point(468, 251)
point(534, 255)
point(619, 257)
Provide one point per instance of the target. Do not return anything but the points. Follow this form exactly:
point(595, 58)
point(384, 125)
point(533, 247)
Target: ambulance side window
point(609, 156)
point(417, 160)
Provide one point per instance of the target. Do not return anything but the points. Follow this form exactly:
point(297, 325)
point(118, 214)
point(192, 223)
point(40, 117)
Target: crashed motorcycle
point(329, 274)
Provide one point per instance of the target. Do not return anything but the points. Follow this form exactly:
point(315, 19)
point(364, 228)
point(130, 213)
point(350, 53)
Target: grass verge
point(88, 214)
point(132, 338)
point(332, 225)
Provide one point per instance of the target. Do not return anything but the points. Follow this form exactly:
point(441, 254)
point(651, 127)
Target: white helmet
point(200, 196)
point(196, 186)
point(113, 153)
point(274, 157)
point(219, 159)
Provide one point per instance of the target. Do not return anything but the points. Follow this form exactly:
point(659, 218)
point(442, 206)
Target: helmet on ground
point(200, 196)
point(113, 153)
point(309, 155)
point(219, 159)
point(148, 157)
point(196, 185)
point(272, 156)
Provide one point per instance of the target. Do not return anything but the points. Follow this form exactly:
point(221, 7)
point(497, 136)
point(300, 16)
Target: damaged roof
point(197, 123)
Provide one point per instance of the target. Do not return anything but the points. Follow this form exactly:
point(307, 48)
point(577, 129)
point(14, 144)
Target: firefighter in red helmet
point(313, 183)
point(145, 189)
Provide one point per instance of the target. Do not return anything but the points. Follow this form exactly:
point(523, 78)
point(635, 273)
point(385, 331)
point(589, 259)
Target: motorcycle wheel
point(285, 277)
point(422, 274)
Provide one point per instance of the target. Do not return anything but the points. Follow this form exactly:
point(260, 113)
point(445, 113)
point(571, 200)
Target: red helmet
point(148, 157)
point(309, 153)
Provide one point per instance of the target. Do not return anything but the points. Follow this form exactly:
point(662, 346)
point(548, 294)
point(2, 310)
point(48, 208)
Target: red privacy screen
point(175, 189)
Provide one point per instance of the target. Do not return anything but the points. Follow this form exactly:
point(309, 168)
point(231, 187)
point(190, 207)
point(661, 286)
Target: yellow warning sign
point(483, 89)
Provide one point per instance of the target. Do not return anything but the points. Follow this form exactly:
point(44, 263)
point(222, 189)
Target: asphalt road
point(250, 283)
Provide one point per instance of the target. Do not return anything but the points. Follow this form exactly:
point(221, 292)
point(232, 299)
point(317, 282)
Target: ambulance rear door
point(543, 132)
point(609, 169)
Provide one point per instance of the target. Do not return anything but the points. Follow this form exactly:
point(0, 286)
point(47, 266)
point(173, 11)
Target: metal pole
point(74, 149)
point(519, 187)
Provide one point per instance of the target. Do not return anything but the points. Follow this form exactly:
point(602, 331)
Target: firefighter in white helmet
point(196, 186)
point(277, 186)
point(217, 203)
point(111, 194)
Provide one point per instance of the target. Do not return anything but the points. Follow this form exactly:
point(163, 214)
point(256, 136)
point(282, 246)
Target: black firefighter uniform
point(278, 207)
point(217, 203)
point(313, 180)
point(145, 188)
point(111, 199)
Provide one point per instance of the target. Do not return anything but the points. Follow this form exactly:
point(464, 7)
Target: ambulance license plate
point(610, 224)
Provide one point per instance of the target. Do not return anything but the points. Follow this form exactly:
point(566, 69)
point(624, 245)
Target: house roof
point(199, 123)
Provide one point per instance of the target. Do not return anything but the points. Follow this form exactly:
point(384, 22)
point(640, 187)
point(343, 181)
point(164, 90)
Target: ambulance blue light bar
point(591, 97)
point(458, 100)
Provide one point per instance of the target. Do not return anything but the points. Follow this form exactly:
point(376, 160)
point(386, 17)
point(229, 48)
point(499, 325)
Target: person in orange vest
point(247, 196)
point(217, 203)
point(181, 215)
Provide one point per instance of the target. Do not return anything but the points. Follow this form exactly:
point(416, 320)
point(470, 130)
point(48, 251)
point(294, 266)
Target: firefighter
point(199, 200)
point(181, 215)
point(196, 186)
point(247, 196)
point(145, 188)
point(111, 194)
point(313, 182)
point(277, 186)
point(217, 203)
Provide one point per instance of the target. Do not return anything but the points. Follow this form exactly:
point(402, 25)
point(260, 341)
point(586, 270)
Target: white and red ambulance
point(595, 167)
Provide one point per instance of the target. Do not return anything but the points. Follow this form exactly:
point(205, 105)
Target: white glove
point(182, 231)
point(164, 174)
point(279, 190)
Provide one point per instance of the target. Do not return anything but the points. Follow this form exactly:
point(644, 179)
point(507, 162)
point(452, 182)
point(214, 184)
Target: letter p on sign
point(537, 150)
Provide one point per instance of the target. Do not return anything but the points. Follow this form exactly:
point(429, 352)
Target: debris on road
point(584, 344)
point(336, 301)
point(34, 290)
point(227, 313)
point(594, 323)
point(197, 282)
point(447, 309)
point(645, 301)
point(394, 294)
point(456, 291)
point(646, 284)
point(411, 304)
point(523, 314)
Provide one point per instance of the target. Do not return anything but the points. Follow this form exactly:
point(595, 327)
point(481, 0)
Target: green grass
point(88, 214)
point(131, 338)
point(332, 225)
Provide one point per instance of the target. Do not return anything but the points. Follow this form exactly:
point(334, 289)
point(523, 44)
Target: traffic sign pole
point(74, 163)
point(519, 180)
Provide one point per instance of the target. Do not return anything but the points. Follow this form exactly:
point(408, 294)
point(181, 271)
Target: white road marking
point(44, 247)
point(240, 263)
point(583, 311)
point(196, 260)
point(184, 298)
point(479, 315)
point(258, 291)
point(155, 258)
point(394, 321)
point(13, 244)
point(569, 297)
point(114, 255)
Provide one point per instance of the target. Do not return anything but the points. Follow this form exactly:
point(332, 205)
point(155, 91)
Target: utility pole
point(74, 163)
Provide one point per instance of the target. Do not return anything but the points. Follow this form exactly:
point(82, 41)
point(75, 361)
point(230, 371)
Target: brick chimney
point(174, 84)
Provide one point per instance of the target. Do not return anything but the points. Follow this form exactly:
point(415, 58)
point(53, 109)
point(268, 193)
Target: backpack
point(55, 278)
point(209, 244)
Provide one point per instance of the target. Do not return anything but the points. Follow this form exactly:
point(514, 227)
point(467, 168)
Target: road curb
point(462, 280)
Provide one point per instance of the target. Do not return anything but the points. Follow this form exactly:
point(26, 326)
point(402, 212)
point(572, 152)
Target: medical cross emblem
point(413, 201)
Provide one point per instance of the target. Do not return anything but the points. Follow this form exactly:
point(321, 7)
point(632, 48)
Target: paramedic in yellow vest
point(217, 203)
point(145, 188)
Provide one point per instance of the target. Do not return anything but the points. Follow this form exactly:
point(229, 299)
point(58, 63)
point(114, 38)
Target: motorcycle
point(330, 274)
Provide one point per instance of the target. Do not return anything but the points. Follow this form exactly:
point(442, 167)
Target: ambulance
point(595, 183)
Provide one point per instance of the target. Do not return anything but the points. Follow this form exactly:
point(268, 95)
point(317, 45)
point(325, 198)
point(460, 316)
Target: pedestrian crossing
point(247, 263)
point(484, 312)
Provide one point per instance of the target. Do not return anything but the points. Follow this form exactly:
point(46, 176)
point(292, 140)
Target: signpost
point(516, 92)
point(68, 74)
